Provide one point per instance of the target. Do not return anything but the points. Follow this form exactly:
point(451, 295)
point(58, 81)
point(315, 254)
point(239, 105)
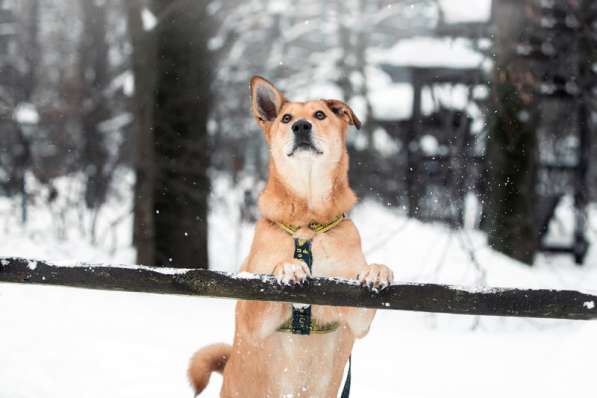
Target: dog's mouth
point(304, 147)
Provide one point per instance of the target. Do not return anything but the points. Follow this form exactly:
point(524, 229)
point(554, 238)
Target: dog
point(285, 350)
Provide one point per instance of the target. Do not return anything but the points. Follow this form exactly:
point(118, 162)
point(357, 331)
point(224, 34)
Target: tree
point(181, 105)
point(94, 78)
point(142, 58)
point(512, 142)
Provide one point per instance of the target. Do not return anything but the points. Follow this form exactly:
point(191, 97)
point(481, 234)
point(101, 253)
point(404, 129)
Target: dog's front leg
point(375, 277)
point(263, 318)
point(291, 272)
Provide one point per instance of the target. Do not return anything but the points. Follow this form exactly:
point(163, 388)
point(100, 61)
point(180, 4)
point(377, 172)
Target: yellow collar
point(314, 226)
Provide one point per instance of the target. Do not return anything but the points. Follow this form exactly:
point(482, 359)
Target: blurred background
point(126, 137)
point(126, 132)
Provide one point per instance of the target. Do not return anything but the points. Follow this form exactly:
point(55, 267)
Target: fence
point(533, 303)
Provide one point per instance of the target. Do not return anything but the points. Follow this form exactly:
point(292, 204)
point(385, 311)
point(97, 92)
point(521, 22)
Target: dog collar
point(313, 226)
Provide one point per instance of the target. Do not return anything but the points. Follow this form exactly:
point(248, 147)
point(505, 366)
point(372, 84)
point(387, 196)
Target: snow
point(125, 82)
point(161, 270)
point(64, 231)
point(116, 124)
point(392, 102)
point(246, 275)
point(451, 96)
point(465, 10)
point(589, 305)
point(139, 345)
point(358, 104)
point(149, 19)
point(429, 144)
point(68, 342)
point(384, 144)
point(26, 113)
point(429, 52)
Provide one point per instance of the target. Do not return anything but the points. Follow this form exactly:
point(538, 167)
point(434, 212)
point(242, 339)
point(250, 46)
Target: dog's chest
point(328, 257)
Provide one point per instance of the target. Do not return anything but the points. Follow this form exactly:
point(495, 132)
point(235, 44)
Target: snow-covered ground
point(62, 342)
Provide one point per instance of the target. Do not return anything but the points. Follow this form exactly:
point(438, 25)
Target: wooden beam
point(429, 75)
point(557, 304)
point(469, 30)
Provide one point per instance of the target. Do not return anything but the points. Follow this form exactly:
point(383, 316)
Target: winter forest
point(127, 137)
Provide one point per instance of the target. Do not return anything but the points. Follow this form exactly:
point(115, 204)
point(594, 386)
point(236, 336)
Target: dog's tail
point(204, 362)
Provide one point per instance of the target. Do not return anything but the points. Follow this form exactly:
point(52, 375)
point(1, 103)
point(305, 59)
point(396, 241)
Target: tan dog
point(308, 182)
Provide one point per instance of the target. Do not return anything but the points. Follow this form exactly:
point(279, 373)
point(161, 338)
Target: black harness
point(301, 317)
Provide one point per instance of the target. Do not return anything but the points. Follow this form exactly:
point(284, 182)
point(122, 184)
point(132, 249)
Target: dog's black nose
point(301, 126)
point(302, 132)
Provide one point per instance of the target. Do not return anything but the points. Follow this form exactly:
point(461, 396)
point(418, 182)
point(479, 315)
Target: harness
point(301, 322)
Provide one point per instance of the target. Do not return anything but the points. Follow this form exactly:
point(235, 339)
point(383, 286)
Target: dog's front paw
point(376, 277)
point(291, 272)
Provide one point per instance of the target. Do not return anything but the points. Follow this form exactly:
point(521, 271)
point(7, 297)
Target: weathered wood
point(557, 304)
point(429, 75)
point(470, 30)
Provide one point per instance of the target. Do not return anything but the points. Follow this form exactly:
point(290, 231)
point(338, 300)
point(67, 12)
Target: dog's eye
point(319, 115)
point(286, 118)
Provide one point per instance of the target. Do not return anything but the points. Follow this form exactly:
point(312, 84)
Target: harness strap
point(301, 322)
point(346, 389)
point(301, 317)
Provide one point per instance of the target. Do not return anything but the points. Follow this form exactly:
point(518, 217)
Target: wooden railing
point(534, 303)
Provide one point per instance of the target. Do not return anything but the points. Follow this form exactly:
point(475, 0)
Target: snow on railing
point(534, 303)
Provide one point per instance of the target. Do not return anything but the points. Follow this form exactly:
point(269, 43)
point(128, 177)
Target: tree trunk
point(143, 59)
point(93, 70)
point(413, 183)
point(180, 115)
point(30, 49)
point(28, 43)
point(512, 142)
point(588, 57)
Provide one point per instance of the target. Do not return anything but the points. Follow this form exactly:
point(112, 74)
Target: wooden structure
point(562, 52)
point(564, 77)
point(563, 304)
point(450, 128)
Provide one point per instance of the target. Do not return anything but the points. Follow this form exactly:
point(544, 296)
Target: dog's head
point(296, 132)
point(308, 177)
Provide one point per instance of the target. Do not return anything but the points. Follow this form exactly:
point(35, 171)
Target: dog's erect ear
point(342, 110)
point(267, 100)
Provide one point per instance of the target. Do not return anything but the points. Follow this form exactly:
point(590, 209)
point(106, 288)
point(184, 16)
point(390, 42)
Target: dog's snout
point(301, 127)
point(303, 140)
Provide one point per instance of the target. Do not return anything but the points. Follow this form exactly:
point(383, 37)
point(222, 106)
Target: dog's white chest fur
point(309, 177)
